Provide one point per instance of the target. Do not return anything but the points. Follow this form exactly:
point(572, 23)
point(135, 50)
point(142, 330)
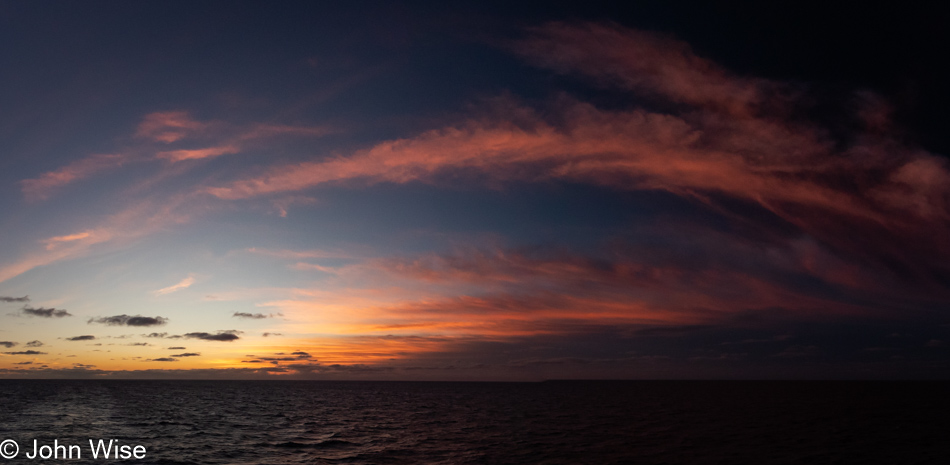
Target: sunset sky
point(485, 192)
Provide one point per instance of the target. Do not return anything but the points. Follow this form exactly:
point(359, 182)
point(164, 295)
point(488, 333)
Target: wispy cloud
point(46, 184)
point(301, 254)
point(169, 126)
point(138, 219)
point(54, 242)
point(196, 154)
point(183, 284)
point(25, 298)
point(866, 196)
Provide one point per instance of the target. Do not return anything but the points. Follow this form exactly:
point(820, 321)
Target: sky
point(480, 191)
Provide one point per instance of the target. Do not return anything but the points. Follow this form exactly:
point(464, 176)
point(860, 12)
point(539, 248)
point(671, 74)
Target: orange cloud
point(500, 294)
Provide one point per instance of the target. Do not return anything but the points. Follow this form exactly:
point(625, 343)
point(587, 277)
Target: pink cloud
point(168, 127)
point(183, 284)
point(732, 138)
point(43, 187)
point(196, 154)
point(135, 221)
point(260, 131)
point(642, 61)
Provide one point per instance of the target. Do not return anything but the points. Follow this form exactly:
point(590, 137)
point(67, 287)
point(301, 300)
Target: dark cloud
point(187, 354)
point(126, 320)
point(254, 316)
point(34, 344)
point(281, 357)
point(162, 336)
point(162, 359)
point(25, 352)
point(45, 312)
point(138, 344)
point(176, 348)
point(81, 338)
point(7, 344)
point(271, 334)
point(6, 299)
point(24, 363)
point(225, 336)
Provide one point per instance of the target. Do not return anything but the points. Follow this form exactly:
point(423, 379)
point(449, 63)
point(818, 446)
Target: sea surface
point(570, 422)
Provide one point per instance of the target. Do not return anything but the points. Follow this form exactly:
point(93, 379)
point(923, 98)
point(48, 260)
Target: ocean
point(557, 422)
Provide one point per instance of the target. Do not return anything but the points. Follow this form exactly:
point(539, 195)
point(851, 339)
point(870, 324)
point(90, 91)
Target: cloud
point(126, 320)
point(54, 242)
point(254, 316)
point(301, 254)
point(183, 284)
point(271, 334)
point(44, 186)
point(284, 203)
point(796, 223)
point(25, 298)
point(176, 348)
point(281, 357)
point(187, 354)
point(7, 344)
point(261, 131)
point(741, 147)
point(196, 154)
point(45, 312)
point(25, 352)
point(169, 126)
point(224, 336)
point(162, 359)
point(173, 127)
point(81, 338)
point(137, 220)
point(643, 62)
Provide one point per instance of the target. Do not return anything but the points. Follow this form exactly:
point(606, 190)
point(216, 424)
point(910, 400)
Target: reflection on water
point(645, 422)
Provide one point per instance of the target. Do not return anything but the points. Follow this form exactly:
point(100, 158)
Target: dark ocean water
point(640, 422)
